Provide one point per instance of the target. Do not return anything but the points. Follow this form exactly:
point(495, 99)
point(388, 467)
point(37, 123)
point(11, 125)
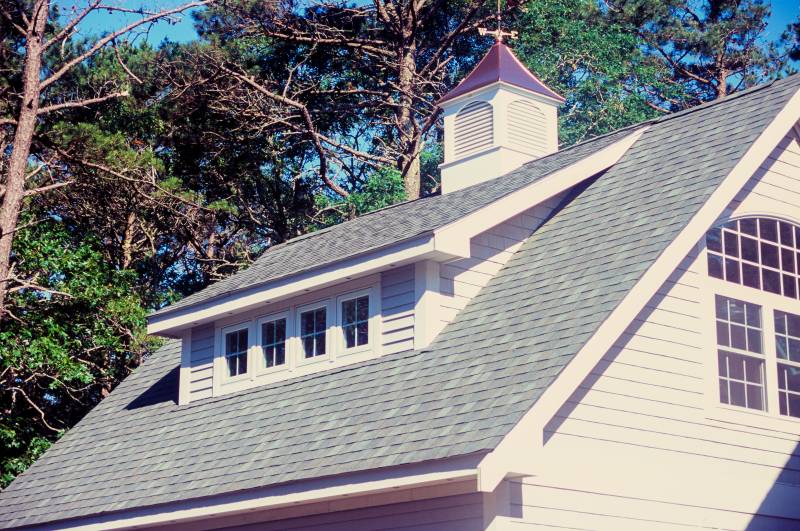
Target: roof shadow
point(164, 390)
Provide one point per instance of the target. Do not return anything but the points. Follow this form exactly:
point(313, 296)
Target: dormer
point(497, 119)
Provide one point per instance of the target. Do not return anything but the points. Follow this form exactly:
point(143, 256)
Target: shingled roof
point(386, 227)
point(459, 396)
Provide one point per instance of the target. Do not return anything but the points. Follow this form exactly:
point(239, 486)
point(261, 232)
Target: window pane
point(713, 240)
point(232, 367)
point(755, 397)
point(743, 381)
point(737, 395)
point(715, 266)
point(793, 324)
point(789, 286)
point(787, 260)
point(320, 344)
point(268, 332)
point(230, 343)
point(749, 249)
point(349, 311)
point(280, 331)
point(768, 229)
point(732, 271)
point(363, 333)
point(269, 356)
point(280, 354)
point(771, 281)
point(349, 336)
point(731, 243)
point(737, 312)
point(307, 323)
point(794, 349)
point(769, 255)
point(308, 346)
point(363, 309)
point(754, 340)
point(738, 337)
point(321, 319)
point(721, 304)
point(748, 226)
point(750, 276)
point(786, 234)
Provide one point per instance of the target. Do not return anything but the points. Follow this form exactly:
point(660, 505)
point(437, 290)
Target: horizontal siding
point(462, 279)
point(201, 362)
point(645, 403)
point(397, 309)
point(451, 513)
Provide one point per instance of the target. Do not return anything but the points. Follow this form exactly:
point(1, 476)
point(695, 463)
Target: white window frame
point(261, 366)
point(221, 341)
point(372, 321)
point(330, 320)
point(769, 302)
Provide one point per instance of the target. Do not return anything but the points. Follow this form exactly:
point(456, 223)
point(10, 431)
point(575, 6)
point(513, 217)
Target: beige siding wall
point(397, 309)
point(641, 445)
point(462, 279)
point(201, 361)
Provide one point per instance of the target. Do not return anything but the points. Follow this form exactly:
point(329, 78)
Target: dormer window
point(273, 342)
point(236, 345)
point(313, 332)
point(355, 321)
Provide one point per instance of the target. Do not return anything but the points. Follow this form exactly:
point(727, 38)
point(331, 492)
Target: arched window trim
point(744, 254)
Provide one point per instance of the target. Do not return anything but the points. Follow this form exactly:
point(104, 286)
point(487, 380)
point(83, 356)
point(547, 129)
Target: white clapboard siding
point(527, 128)
point(201, 362)
point(639, 426)
point(397, 309)
point(462, 279)
point(474, 128)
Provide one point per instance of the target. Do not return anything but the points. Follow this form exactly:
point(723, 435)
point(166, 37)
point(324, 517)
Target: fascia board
point(170, 324)
point(529, 431)
point(454, 237)
point(313, 491)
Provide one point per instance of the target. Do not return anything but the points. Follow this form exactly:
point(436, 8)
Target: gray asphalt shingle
point(459, 396)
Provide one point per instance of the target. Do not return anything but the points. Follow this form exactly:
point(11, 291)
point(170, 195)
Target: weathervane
point(498, 33)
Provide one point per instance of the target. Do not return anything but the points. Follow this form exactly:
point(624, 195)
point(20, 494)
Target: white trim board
point(517, 451)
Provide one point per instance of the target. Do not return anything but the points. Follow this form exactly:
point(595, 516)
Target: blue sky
point(783, 12)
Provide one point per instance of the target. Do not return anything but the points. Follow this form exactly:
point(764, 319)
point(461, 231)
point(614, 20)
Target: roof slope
point(500, 64)
point(386, 227)
point(460, 396)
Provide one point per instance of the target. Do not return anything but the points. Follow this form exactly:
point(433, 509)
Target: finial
point(498, 33)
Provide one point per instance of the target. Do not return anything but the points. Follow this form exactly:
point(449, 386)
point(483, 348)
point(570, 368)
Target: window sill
point(754, 419)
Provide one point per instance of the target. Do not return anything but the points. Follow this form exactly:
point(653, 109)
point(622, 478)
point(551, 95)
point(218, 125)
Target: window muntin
point(313, 331)
point(787, 341)
point(236, 345)
point(355, 321)
point(273, 342)
point(740, 354)
point(760, 253)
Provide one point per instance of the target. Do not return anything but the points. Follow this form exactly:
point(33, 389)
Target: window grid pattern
point(787, 340)
point(313, 326)
point(355, 322)
point(236, 344)
point(760, 253)
point(273, 342)
point(740, 354)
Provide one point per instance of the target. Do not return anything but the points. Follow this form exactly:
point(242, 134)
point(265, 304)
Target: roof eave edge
point(529, 431)
point(369, 482)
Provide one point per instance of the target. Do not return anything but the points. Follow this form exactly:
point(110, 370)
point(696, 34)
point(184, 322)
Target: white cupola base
point(498, 118)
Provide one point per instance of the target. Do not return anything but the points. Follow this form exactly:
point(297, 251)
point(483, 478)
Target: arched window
point(757, 336)
point(527, 127)
point(760, 253)
point(474, 129)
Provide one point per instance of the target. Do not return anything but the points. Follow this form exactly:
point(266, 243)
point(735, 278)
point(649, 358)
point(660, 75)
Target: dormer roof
point(501, 65)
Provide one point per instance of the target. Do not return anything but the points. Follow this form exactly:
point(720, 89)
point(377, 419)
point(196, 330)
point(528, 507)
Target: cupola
point(498, 118)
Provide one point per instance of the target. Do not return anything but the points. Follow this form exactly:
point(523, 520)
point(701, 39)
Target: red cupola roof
point(500, 64)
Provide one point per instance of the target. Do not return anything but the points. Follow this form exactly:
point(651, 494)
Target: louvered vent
point(527, 127)
point(473, 128)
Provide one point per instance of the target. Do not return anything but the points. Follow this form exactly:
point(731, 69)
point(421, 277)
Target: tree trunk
point(23, 136)
point(409, 158)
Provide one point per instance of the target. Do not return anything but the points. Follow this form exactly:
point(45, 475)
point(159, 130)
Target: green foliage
point(78, 328)
point(382, 189)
